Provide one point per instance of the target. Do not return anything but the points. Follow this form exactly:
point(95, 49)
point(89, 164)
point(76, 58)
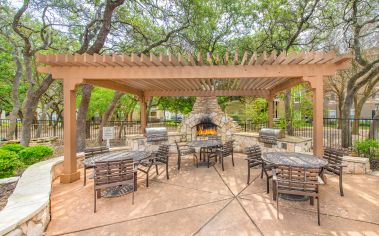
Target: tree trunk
point(82, 117)
point(15, 98)
point(122, 127)
point(288, 111)
point(107, 115)
point(346, 136)
point(31, 100)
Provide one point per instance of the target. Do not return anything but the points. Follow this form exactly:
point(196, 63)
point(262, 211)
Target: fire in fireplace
point(206, 127)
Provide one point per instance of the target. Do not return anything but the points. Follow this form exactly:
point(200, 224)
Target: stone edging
point(28, 208)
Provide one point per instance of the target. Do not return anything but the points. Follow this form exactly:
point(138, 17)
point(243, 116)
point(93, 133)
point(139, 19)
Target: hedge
point(13, 147)
point(9, 163)
point(31, 155)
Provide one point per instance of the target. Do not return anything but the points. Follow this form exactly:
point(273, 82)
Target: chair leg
point(94, 202)
point(263, 168)
point(133, 198)
point(222, 163)
point(268, 185)
point(179, 160)
point(85, 176)
point(318, 210)
point(197, 160)
point(277, 206)
point(248, 173)
point(312, 201)
point(274, 194)
point(341, 187)
point(167, 171)
point(156, 169)
point(232, 160)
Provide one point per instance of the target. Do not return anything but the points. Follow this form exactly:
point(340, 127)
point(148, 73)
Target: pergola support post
point(70, 172)
point(318, 114)
point(270, 111)
point(143, 115)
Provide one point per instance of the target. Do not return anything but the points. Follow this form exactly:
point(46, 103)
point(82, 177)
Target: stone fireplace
point(207, 118)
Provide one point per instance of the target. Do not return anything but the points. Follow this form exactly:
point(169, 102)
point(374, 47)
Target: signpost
point(108, 134)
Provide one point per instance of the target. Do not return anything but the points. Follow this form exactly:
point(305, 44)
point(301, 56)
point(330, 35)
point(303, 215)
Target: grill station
point(158, 134)
point(270, 136)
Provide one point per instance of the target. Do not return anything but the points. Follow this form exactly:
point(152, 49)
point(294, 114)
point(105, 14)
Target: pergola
point(169, 75)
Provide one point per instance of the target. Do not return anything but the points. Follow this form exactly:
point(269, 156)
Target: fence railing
point(48, 128)
point(359, 129)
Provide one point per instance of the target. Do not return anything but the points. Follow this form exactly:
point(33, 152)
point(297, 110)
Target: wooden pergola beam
point(115, 86)
point(207, 93)
point(190, 72)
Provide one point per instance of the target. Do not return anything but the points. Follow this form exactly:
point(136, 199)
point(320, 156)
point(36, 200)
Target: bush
point(368, 147)
point(8, 163)
point(13, 147)
point(31, 155)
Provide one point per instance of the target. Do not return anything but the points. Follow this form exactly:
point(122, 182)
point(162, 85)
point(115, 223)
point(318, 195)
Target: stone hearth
point(208, 108)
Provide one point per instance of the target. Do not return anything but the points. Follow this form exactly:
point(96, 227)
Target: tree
point(360, 19)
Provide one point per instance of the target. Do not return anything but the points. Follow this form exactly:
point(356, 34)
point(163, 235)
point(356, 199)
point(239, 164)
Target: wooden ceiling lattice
point(189, 75)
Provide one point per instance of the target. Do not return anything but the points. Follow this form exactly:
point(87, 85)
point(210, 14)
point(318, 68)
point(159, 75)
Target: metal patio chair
point(158, 158)
point(89, 153)
point(113, 174)
point(185, 150)
point(297, 181)
point(254, 158)
point(335, 166)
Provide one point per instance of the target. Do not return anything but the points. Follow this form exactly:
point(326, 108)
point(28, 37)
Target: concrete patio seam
point(236, 197)
point(143, 217)
point(214, 216)
point(308, 210)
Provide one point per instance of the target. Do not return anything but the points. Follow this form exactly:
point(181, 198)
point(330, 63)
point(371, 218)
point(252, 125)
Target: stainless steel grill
point(156, 134)
point(270, 135)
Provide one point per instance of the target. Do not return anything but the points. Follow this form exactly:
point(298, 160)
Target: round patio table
point(137, 157)
point(206, 147)
point(294, 159)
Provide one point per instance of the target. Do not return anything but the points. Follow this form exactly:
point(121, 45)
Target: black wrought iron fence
point(48, 128)
point(358, 129)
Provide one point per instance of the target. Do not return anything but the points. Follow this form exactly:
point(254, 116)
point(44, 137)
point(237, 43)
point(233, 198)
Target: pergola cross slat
point(145, 76)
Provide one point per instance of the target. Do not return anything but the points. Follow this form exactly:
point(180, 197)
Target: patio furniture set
point(295, 176)
point(115, 173)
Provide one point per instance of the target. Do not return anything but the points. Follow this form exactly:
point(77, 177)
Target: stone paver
point(214, 202)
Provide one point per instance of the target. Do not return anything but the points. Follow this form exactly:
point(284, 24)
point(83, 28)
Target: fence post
point(16, 130)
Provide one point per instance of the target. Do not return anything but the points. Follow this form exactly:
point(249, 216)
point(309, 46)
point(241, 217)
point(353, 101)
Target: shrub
point(13, 147)
point(368, 147)
point(31, 155)
point(8, 163)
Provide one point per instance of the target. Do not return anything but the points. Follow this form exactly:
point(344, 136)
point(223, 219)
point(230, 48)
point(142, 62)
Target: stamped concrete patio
point(202, 201)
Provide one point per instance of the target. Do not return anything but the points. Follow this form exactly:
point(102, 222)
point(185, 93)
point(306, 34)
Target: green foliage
point(35, 154)
point(177, 104)
point(13, 147)
point(368, 148)
point(8, 163)
point(256, 110)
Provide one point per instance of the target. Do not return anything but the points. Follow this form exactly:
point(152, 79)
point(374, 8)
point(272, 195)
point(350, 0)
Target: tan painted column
point(70, 172)
point(143, 107)
point(318, 114)
point(270, 111)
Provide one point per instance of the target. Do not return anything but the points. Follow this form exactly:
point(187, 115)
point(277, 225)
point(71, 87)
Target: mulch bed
point(5, 191)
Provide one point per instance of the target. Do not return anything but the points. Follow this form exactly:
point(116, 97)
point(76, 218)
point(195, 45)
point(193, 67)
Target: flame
point(202, 131)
